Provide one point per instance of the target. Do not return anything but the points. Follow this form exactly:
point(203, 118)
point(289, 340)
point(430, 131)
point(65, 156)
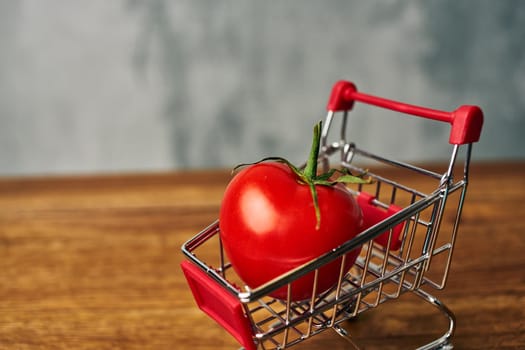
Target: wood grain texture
point(92, 262)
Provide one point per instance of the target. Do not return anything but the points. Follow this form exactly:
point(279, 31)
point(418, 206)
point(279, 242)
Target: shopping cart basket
point(406, 246)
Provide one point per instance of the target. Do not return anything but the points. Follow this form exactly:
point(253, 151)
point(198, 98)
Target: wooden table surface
point(92, 262)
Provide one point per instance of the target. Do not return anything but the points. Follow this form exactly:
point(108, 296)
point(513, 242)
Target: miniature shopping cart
point(406, 246)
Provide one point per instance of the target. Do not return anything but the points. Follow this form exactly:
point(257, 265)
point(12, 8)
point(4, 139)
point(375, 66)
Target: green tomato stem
point(310, 170)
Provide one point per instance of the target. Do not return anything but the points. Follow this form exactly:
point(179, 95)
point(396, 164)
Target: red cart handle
point(466, 120)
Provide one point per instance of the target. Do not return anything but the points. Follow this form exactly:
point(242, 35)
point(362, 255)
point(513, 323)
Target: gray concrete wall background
point(146, 85)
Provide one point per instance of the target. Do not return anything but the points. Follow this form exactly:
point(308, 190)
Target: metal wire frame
point(379, 274)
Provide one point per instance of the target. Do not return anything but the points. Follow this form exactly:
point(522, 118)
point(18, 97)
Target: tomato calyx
point(308, 175)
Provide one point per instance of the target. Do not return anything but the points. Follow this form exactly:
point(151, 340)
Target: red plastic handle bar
point(466, 120)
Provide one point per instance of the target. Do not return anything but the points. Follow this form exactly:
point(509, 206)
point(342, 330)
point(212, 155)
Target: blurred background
point(117, 86)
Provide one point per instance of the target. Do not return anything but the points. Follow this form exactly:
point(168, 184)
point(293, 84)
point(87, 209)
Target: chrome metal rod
point(442, 342)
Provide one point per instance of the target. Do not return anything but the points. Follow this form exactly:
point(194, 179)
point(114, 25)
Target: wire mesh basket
point(406, 245)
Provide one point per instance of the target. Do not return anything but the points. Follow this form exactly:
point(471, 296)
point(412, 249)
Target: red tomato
point(268, 226)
